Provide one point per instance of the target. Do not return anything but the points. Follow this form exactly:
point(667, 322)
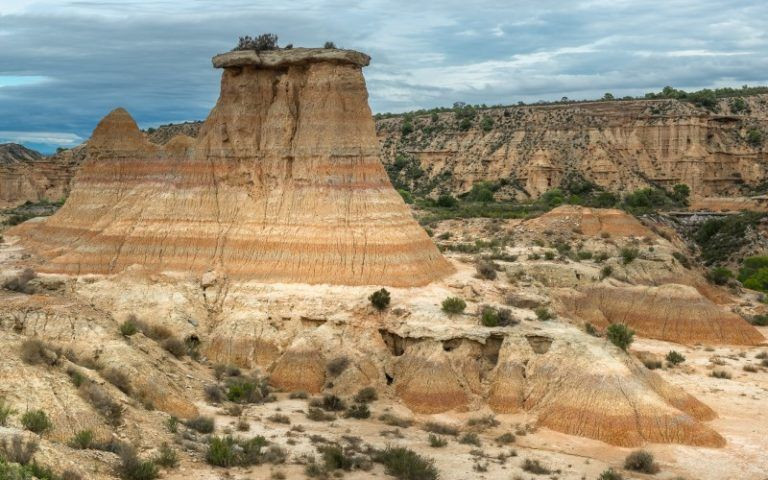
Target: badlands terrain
point(208, 303)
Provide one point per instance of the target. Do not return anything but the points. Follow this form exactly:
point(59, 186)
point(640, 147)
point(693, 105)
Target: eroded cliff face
point(282, 184)
point(26, 175)
point(619, 146)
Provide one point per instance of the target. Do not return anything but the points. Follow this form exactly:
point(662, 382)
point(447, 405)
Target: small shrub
point(5, 412)
point(128, 328)
point(36, 421)
point(674, 358)
point(606, 272)
point(133, 468)
point(470, 438)
point(395, 421)
point(620, 335)
point(628, 255)
point(366, 395)
point(221, 452)
point(436, 441)
point(405, 464)
point(483, 423)
point(505, 438)
point(720, 374)
point(36, 352)
point(214, 394)
point(332, 403)
point(118, 379)
point(441, 429)
point(17, 449)
point(337, 366)
point(486, 269)
point(318, 415)
point(652, 364)
point(172, 424)
point(175, 347)
point(719, 275)
point(300, 395)
point(549, 255)
point(759, 320)
point(682, 259)
point(749, 368)
point(329, 45)
point(247, 390)
point(454, 305)
point(535, 467)
point(380, 299)
point(641, 461)
point(201, 424)
point(82, 440)
point(102, 401)
point(265, 41)
point(279, 418)
point(591, 330)
point(167, 457)
point(358, 410)
point(543, 314)
point(610, 474)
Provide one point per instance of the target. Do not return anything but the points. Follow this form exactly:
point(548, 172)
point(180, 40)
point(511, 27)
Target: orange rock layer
point(283, 184)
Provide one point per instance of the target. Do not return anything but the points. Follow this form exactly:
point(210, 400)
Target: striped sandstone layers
point(676, 313)
point(282, 184)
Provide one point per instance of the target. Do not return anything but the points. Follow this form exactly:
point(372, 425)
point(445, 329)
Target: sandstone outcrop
point(620, 146)
point(282, 184)
point(592, 222)
point(26, 175)
point(676, 313)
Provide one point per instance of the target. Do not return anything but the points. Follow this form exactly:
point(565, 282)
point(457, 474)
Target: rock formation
point(282, 184)
point(26, 175)
point(619, 145)
point(676, 313)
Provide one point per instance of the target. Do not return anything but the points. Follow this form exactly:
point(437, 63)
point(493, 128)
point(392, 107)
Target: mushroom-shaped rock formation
point(282, 184)
point(676, 313)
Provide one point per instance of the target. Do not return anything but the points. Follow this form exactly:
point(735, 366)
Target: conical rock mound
point(283, 184)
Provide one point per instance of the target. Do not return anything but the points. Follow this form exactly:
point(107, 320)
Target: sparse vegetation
point(318, 415)
point(133, 468)
point(247, 390)
point(36, 421)
point(436, 441)
point(265, 41)
point(380, 299)
point(17, 449)
point(441, 429)
point(719, 275)
point(358, 410)
point(405, 464)
point(674, 358)
point(641, 461)
point(118, 378)
point(337, 366)
point(610, 474)
point(366, 395)
point(6, 410)
point(228, 452)
point(167, 457)
point(620, 335)
point(395, 421)
point(720, 374)
point(505, 438)
point(201, 424)
point(628, 255)
point(543, 314)
point(486, 269)
point(101, 400)
point(82, 440)
point(470, 438)
point(454, 305)
point(535, 467)
point(37, 352)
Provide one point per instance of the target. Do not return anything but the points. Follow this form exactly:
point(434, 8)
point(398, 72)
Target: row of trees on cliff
point(266, 41)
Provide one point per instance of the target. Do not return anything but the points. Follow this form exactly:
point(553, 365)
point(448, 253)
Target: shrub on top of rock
point(380, 299)
point(620, 335)
point(453, 305)
point(265, 41)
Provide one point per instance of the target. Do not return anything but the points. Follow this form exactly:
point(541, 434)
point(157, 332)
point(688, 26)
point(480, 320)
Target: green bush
point(453, 305)
point(543, 314)
point(441, 429)
point(167, 457)
point(610, 474)
point(332, 403)
point(380, 299)
point(620, 335)
point(133, 468)
point(759, 320)
point(486, 269)
point(5, 412)
point(82, 440)
point(754, 273)
point(366, 395)
point(719, 275)
point(591, 330)
point(447, 201)
point(641, 461)
point(36, 421)
point(719, 238)
point(335, 459)
point(606, 272)
point(228, 451)
point(358, 410)
point(128, 328)
point(175, 347)
point(247, 390)
point(628, 255)
point(755, 137)
point(470, 438)
point(405, 464)
point(201, 424)
point(436, 441)
point(674, 358)
point(535, 467)
point(407, 196)
point(221, 452)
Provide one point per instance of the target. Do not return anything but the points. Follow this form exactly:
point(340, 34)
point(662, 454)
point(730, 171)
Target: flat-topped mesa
point(282, 184)
point(281, 58)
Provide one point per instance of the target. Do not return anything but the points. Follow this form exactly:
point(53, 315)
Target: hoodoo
point(283, 184)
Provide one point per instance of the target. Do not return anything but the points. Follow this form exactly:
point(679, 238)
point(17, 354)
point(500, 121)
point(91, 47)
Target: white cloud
point(46, 138)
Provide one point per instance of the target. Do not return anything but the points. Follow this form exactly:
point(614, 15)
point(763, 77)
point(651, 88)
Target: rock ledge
point(285, 57)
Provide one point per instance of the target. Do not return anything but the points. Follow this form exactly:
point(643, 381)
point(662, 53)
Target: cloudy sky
point(65, 64)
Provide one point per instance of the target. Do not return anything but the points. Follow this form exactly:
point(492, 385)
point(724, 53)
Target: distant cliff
point(525, 150)
point(617, 145)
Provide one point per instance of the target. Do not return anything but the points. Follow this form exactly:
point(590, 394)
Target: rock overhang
point(281, 58)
